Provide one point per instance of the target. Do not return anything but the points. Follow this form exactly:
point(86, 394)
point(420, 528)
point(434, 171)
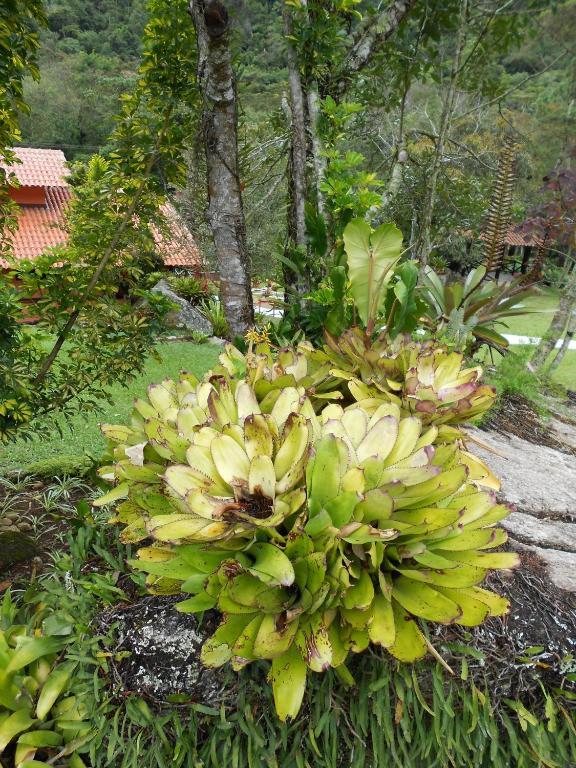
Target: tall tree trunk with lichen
point(558, 325)
point(296, 278)
point(424, 242)
point(400, 153)
point(217, 84)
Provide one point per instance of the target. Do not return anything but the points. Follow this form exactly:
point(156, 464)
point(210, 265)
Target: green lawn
point(545, 302)
point(82, 435)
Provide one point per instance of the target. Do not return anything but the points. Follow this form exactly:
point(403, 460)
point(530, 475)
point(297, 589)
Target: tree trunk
point(558, 324)
point(313, 102)
point(296, 280)
point(400, 154)
point(217, 84)
point(307, 164)
point(424, 244)
point(568, 336)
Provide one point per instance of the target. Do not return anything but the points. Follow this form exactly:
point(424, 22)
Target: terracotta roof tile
point(41, 226)
point(514, 237)
point(181, 250)
point(39, 167)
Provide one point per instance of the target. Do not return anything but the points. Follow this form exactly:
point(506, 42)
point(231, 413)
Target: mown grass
point(81, 434)
point(543, 304)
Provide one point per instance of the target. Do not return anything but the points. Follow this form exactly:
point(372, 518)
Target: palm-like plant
point(472, 310)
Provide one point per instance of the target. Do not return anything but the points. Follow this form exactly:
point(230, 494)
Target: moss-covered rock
point(15, 547)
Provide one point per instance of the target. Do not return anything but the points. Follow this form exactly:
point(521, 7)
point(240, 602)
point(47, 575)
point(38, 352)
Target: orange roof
point(42, 226)
point(39, 167)
point(180, 250)
point(513, 236)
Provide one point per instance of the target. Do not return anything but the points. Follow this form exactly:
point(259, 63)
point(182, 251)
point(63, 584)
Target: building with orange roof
point(43, 194)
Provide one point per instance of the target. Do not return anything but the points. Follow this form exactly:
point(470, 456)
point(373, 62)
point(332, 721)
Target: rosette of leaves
point(474, 310)
point(414, 520)
point(209, 463)
point(40, 716)
point(381, 526)
point(420, 377)
point(269, 371)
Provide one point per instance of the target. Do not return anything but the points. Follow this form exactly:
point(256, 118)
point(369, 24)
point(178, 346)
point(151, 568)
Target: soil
point(535, 642)
point(48, 528)
point(515, 415)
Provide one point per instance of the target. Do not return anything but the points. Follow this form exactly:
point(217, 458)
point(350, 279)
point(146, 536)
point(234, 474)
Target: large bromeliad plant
point(320, 500)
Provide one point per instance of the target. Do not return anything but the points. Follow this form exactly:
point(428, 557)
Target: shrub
point(66, 465)
point(213, 311)
point(191, 288)
point(315, 529)
point(39, 715)
point(512, 376)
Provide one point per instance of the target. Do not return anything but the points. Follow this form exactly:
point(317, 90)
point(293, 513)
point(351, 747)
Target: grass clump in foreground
point(81, 435)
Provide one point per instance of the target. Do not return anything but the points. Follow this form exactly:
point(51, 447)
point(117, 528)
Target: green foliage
point(80, 435)
point(88, 58)
point(349, 189)
point(109, 27)
point(314, 535)
point(386, 720)
point(193, 289)
point(64, 465)
point(467, 314)
point(403, 307)
point(512, 376)
point(213, 311)
point(199, 338)
point(73, 107)
point(39, 714)
point(89, 290)
point(19, 21)
point(371, 257)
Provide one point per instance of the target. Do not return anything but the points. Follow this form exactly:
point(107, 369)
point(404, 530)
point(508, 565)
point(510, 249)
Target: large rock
point(540, 483)
point(186, 316)
point(538, 480)
point(15, 547)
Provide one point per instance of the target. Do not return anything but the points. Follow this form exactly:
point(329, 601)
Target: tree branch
point(372, 33)
point(434, 137)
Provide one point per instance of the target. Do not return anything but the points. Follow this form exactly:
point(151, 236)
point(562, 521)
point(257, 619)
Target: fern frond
point(499, 213)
